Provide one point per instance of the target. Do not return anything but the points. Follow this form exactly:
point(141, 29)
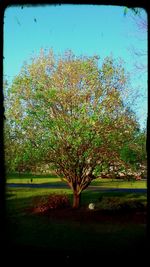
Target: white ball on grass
point(91, 206)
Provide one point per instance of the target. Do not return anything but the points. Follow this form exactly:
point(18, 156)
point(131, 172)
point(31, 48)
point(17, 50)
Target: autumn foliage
point(52, 202)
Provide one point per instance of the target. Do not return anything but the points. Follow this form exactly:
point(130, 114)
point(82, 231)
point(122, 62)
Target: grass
point(18, 199)
point(34, 180)
point(30, 175)
point(119, 183)
point(64, 237)
point(108, 183)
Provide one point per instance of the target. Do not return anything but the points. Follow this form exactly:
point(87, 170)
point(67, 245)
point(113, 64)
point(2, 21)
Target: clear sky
point(85, 29)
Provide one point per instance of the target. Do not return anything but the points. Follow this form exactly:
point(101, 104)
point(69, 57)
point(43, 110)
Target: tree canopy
point(69, 112)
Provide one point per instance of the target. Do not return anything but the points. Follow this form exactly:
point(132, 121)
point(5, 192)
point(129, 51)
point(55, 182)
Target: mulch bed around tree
point(96, 216)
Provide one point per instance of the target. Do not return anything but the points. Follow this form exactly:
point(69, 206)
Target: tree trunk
point(76, 200)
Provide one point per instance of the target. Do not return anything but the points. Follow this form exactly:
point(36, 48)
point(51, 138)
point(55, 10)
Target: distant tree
point(134, 152)
point(69, 112)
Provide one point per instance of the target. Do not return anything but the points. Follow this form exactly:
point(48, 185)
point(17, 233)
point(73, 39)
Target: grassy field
point(119, 183)
point(110, 183)
point(75, 239)
point(29, 178)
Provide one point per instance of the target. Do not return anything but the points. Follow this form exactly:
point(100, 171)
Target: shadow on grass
point(96, 196)
point(47, 237)
point(9, 195)
point(111, 204)
point(87, 197)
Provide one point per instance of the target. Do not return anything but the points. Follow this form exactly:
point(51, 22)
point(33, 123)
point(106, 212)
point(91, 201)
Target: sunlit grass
point(108, 183)
point(33, 180)
point(22, 197)
point(119, 183)
point(19, 193)
point(19, 199)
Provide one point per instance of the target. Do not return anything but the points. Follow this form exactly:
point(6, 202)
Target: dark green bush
point(116, 203)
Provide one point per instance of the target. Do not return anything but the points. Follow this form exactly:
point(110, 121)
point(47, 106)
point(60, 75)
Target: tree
point(134, 152)
point(68, 112)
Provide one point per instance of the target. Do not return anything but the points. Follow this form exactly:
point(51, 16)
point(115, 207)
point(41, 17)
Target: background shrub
point(116, 203)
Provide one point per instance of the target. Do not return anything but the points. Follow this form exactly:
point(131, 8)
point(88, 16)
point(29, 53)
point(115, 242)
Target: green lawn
point(30, 178)
point(21, 197)
point(110, 183)
point(33, 180)
point(115, 183)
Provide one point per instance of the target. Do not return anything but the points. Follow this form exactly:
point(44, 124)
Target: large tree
point(69, 112)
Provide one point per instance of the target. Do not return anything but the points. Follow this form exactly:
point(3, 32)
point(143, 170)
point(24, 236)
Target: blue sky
point(85, 29)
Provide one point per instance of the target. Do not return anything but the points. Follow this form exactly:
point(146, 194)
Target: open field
point(74, 236)
point(111, 183)
point(119, 183)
